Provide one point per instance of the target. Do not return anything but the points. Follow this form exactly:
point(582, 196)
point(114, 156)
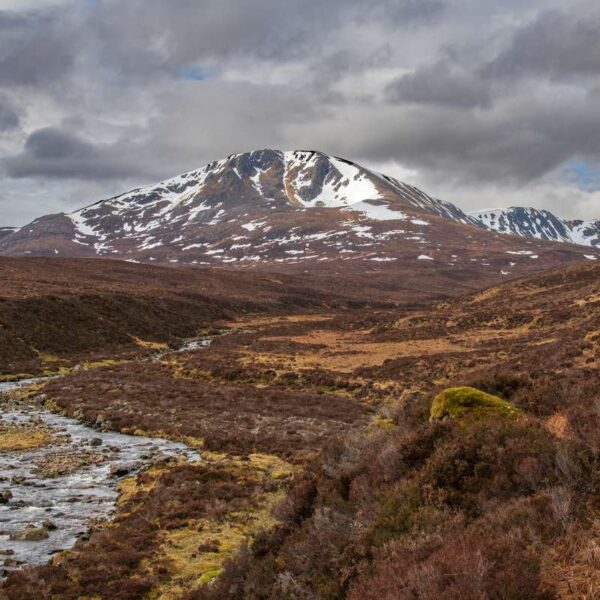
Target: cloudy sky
point(481, 102)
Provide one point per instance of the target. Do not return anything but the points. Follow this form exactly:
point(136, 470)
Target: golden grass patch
point(196, 554)
point(148, 344)
point(23, 438)
point(345, 352)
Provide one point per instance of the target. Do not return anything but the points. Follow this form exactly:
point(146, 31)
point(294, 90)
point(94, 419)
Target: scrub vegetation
point(442, 452)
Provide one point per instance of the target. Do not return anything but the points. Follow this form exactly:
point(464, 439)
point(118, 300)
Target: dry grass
point(574, 565)
point(23, 437)
point(149, 345)
point(345, 352)
point(558, 425)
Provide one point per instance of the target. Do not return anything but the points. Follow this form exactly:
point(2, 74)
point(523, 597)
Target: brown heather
point(380, 503)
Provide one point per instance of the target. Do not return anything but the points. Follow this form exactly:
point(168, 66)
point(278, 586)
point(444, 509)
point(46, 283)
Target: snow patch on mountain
point(380, 211)
point(326, 182)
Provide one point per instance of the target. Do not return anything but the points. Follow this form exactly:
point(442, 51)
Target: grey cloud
point(173, 34)
point(54, 144)
point(219, 118)
point(441, 84)
point(9, 115)
point(556, 44)
point(516, 142)
point(54, 153)
point(333, 66)
point(185, 134)
point(36, 47)
point(397, 13)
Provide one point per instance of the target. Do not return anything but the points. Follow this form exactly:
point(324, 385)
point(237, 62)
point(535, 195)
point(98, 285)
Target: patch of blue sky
point(195, 73)
point(583, 174)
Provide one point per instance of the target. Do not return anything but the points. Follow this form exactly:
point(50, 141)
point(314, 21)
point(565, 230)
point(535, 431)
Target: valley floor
point(324, 476)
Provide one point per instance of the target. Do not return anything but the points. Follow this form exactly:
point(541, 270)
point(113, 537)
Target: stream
point(51, 495)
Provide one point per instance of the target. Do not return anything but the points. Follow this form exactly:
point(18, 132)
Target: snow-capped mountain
point(540, 224)
point(282, 209)
point(234, 189)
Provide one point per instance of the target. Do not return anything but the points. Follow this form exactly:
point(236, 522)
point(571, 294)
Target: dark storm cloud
point(54, 153)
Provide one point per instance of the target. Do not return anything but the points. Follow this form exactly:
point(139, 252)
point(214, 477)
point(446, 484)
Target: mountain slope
point(4, 231)
point(286, 210)
point(231, 197)
point(540, 224)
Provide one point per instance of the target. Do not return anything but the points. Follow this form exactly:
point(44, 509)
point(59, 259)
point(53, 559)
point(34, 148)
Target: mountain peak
point(280, 208)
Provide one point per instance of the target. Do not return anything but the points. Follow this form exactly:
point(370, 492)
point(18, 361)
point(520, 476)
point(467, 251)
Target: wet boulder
point(48, 525)
point(31, 533)
point(120, 470)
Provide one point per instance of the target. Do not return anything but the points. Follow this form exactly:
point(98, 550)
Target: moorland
point(336, 462)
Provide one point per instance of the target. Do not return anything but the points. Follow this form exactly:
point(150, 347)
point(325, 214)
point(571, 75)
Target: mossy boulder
point(461, 402)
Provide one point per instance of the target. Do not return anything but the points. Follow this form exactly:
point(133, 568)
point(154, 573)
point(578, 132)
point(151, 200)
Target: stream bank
point(59, 477)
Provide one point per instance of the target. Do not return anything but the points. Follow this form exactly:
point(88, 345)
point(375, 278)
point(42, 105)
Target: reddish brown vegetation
point(404, 508)
point(113, 564)
point(86, 309)
point(486, 510)
point(232, 417)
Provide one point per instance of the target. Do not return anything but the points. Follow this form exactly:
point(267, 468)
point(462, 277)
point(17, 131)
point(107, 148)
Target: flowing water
point(63, 488)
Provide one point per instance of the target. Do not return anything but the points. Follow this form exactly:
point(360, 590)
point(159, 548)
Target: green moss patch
point(461, 402)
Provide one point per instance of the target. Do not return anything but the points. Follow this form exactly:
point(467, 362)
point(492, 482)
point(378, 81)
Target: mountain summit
point(285, 209)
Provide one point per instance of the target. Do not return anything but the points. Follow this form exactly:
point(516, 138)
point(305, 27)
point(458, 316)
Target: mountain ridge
point(278, 208)
point(540, 224)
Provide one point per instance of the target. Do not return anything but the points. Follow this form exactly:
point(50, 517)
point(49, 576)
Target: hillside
point(333, 409)
point(56, 312)
point(4, 231)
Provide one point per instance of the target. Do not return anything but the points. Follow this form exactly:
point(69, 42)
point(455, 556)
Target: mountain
point(540, 224)
point(4, 231)
point(285, 210)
